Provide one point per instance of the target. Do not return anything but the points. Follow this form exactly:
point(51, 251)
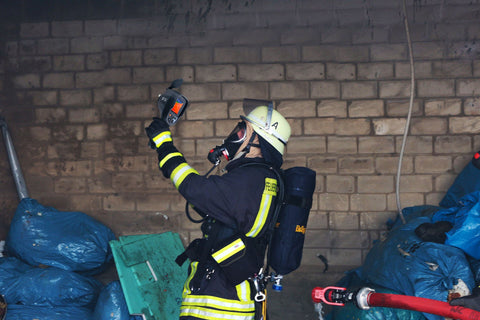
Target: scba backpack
point(286, 234)
point(286, 246)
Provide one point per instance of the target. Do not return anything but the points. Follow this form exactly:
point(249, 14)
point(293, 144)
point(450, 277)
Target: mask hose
point(187, 211)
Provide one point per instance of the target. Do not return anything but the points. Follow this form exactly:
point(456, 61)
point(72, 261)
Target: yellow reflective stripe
point(161, 138)
point(219, 303)
point(170, 156)
point(261, 216)
point(186, 286)
point(268, 193)
point(229, 250)
point(243, 291)
point(180, 173)
point(212, 314)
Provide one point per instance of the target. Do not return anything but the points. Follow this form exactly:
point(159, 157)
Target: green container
point(151, 280)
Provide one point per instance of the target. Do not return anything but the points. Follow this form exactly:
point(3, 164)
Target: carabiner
point(260, 296)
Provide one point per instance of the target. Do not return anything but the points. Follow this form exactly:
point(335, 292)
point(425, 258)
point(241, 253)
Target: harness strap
point(200, 249)
point(302, 202)
point(191, 252)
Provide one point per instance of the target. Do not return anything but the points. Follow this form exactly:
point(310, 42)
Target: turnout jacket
point(240, 201)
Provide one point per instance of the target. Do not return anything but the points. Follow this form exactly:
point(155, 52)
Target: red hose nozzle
point(335, 296)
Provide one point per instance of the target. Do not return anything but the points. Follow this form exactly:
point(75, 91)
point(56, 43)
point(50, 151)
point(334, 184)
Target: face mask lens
point(238, 134)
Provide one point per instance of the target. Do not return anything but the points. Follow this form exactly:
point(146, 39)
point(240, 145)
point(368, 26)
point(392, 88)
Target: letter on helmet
point(270, 125)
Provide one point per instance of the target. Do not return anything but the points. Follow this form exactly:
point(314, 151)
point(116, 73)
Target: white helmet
point(270, 125)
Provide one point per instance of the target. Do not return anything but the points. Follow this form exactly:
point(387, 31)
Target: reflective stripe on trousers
point(216, 308)
point(213, 308)
point(214, 314)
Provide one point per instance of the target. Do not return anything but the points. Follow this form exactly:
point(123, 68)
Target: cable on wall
point(409, 115)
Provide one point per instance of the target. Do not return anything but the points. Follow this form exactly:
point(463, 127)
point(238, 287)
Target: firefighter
point(237, 208)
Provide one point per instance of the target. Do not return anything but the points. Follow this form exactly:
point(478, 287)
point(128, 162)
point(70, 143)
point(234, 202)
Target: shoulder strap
point(278, 206)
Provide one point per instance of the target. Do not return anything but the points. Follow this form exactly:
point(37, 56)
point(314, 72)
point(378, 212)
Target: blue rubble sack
point(404, 263)
point(465, 218)
point(23, 312)
point(467, 181)
point(111, 304)
point(71, 241)
point(48, 287)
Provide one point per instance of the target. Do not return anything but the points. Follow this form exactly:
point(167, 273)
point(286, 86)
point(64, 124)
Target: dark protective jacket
point(240, 201)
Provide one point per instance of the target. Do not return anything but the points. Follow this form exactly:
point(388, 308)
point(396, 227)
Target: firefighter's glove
point(158, 132)
point(472, 301)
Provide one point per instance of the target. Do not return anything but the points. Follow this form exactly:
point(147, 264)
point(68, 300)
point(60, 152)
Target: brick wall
point(77, 94)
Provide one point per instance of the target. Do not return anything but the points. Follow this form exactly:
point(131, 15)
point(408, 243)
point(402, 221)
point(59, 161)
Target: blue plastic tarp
point(71, 241)
point(23, 312)
point(467, 181)
point(111, 304)
point(402, 262)
point(465, 218)
point(411, 213)
point(48, 287)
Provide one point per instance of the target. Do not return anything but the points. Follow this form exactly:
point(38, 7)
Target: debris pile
point(47, 269)
point(435, 254)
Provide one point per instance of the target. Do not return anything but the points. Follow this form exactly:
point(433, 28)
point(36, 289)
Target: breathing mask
point(270, 126)
point(230, 145)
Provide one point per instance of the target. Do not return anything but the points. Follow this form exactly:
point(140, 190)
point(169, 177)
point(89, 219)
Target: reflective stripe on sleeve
point(161, 138)
point(180, 173)
point(268, 193)
point(229, 250)
point(168, 157)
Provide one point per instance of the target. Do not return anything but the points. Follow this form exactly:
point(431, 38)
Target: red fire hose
point(366, 298)
point(421, 304)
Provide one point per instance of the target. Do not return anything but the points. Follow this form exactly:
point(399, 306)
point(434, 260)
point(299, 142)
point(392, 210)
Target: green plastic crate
point(151, 280)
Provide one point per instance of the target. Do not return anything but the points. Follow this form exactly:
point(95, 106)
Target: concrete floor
point(294, 302)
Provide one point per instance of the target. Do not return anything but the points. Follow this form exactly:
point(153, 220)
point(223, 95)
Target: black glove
point(154, 130)
point(472, 301)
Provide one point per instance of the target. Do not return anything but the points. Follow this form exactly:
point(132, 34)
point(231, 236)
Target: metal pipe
point(13, 160)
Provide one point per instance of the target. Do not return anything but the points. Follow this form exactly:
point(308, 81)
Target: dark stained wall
point(78, 81)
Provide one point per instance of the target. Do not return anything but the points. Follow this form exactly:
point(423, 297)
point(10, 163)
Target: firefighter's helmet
point(270, 125)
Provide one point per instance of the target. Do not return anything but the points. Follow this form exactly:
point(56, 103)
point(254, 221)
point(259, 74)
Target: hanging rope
point(409, 115)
